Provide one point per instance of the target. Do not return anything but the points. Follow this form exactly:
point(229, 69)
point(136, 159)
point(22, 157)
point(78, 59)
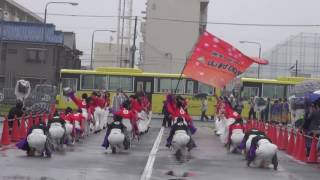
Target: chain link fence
point(40, 100)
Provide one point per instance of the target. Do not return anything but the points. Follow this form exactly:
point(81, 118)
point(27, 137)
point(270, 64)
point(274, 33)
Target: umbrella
point(313, 96)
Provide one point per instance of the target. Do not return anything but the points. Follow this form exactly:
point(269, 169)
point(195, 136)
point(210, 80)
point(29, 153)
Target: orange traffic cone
point(313, 158)
point(302, 155)
point(280, 139)
point(50, 116)
point(263, 127)
point(285, 139)
point(275, 134)
point(291, 143)
point(5, 137)
point(30, 121)
point(297, 145)
point(248, 126)
point(269, 131)
point(23, 130)
point(37, 119)
point(44, 118)
point(15, 130)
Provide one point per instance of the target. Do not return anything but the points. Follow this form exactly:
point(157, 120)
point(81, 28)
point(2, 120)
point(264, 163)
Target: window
point(182, 84)
point(165, 85)
point(273, 91)
point(170, 85)
point(189, 88)
point(69, 82)
point(2, 79)
point(203, 88)
point(98, 82)
point(116, 82)
point(36, 55)
point(87, 82)
point(250, 92)
point(148, 87)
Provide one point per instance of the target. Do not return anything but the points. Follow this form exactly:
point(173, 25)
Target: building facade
point(105, 55)
point(24, 54)
point(169, 33)
point(299, 55)
point(13, 11)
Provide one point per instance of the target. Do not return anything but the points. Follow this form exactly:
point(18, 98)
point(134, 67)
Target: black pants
point(166, 120)
point(252, 114)
point(203, 115)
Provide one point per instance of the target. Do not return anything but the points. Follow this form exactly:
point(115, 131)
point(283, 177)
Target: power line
point(188, 21)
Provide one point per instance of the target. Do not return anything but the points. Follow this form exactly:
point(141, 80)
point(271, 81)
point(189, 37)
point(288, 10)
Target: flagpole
point(184, 66)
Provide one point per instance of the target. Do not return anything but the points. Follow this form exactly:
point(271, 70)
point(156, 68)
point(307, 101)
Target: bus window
point(87, 82)
point(100, 82)
point(126, 83)
point(182, 84)
point(190, 87)
point(250, 92)
point(116, 82)
point(203, 88)
point(273, 91)
point(165, 85)
point(69, 82)
point(268, 90)
point(279, 91)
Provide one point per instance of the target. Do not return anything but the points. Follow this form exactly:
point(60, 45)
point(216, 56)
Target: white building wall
point(105, 55)
point(168, 43)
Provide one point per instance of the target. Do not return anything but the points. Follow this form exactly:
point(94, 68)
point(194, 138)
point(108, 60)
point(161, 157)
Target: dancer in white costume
point(262, 152)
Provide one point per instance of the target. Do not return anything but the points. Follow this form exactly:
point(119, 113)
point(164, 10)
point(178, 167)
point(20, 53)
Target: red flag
point(215, 62)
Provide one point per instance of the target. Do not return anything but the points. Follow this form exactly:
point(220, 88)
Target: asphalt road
point(88, 160)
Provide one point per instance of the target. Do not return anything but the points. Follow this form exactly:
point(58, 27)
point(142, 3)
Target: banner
point(215, 62)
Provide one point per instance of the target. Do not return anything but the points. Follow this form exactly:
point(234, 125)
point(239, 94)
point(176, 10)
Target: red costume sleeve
point(78, 102)
point(171, 109)
point(136, 106)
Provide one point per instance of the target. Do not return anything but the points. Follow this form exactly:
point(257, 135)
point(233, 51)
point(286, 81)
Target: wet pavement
point(210, 160)
point(88, 160)
point(84, 161)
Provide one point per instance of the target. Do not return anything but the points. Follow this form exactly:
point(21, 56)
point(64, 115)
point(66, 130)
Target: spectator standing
point(252, 113)
point(204, 108)
point(275, 112)
point(118, 99)
point(285, 112)
point(267, 110)
point(239, 105)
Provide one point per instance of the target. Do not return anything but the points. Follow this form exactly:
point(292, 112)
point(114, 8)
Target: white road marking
point(295, 160)
point(147, 172)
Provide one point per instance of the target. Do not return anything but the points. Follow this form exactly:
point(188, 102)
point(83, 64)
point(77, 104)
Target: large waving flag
point(215, 62)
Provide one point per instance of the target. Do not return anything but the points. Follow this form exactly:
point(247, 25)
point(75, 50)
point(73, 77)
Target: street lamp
point(169, 55)
point(259, 44)
point(1, 33)
point(45, 14)
point(92, 40)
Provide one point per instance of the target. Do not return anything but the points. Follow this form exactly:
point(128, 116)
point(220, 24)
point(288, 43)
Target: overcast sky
point(244, 11)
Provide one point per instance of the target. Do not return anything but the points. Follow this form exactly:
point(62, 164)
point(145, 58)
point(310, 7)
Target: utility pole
point(134, 42)
point(1, 33)
point(122, 32)
point(296, 68)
